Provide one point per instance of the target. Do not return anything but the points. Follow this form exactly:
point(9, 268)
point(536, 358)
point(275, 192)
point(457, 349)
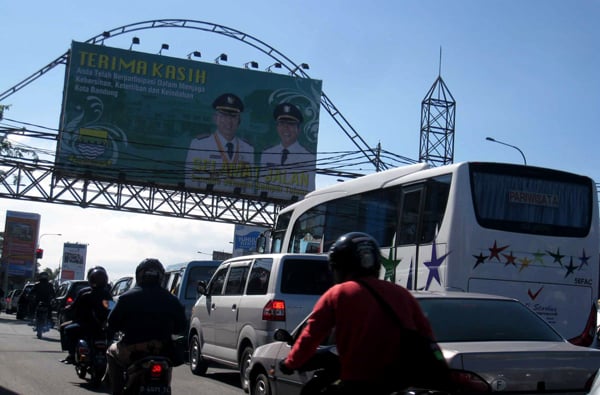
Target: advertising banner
point(244, 239)
point(73, 261)
point(148, 118)
point(20, 242)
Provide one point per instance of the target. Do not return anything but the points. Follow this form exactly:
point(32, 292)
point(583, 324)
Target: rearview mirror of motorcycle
point(281, 335)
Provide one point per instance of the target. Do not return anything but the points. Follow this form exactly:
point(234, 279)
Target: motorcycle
point(41, 323)
point(90, 357)
point(149, 375)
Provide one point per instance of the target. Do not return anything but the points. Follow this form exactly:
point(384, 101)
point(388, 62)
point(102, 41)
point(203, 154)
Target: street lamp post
point(508, 145)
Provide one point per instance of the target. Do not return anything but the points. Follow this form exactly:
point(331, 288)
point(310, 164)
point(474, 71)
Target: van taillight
point(274, 310)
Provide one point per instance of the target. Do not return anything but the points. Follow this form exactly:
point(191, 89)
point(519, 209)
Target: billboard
point(21, 232)
point(136, 117)
point(73, 261)
point(244, 239)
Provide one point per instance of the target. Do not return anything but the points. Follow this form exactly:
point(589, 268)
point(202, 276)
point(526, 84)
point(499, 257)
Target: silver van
point(246, 300)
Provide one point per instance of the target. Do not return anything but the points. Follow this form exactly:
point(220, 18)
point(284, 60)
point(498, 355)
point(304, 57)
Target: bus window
point(536, 204)
point(409, 217)
point(373, 213)
point(420, 221)
point(279, 231)
point(436, 198)
point(308, 229)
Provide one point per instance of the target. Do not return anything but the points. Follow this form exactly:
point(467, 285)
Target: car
point(65, 295)
point(246, 300)
point(490, 342)
point(122, 285)
point(12, 300)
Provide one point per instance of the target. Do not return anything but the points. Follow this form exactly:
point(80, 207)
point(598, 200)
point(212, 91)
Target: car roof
point(123, 278)
point(457, 295)
point(183, 265)
point(278, 255)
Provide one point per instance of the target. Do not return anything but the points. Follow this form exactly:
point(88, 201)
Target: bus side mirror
point(261, 243)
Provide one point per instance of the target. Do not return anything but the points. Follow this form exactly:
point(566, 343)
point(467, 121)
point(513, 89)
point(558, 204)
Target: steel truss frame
point(26, 180)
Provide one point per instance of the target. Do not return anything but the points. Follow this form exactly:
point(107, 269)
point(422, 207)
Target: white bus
point(521, 231)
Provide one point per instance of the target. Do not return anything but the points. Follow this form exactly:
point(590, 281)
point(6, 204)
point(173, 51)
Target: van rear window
point(305, 277)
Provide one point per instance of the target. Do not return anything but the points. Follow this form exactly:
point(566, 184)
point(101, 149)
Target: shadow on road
point(12, 321)
point(89, 387)
point(230, 378)
point(4, 391)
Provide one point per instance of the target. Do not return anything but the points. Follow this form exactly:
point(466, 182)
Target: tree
point(7, 148)
point(2, 108)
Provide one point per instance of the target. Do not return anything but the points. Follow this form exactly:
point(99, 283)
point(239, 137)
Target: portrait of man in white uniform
point(221, 160)
point(287, 169)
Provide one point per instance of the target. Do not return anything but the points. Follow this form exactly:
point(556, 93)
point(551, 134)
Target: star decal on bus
point(480, 259)
point(583, 260)
point(537, 257)
point(433, 265)
point(495, 250)
point(510, 259)
point(570, 268)
point(557, 256)
point(524, 263)
point(389, 264)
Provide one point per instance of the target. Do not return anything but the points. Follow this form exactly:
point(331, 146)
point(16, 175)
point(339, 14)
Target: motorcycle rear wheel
point(81, 371)
point(97, 374)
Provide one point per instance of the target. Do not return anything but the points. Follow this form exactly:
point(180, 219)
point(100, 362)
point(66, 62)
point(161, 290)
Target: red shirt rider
point(367, 338)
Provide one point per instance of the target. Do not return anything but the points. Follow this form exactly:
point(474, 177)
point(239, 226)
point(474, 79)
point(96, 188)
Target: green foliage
point(2, 108)
point(8, 150)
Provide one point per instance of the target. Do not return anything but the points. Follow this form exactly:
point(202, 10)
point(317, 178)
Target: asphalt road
point(31, 366)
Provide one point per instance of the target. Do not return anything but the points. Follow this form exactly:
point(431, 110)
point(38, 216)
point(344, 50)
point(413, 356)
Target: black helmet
point(43, 276)
point(97, 277)
point(355, 254)
point(149, 271)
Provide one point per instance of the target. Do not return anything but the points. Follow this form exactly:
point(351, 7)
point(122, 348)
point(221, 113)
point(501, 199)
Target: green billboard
point(144, 118)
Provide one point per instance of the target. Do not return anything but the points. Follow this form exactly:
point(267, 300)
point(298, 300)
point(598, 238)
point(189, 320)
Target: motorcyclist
point(366, 338)
point(147, 316)
point(90, 311)
point(42, 292)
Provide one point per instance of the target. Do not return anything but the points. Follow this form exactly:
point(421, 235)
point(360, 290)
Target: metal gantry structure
point(31, 180)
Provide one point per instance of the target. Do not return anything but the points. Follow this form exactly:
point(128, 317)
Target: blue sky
point(523, 72)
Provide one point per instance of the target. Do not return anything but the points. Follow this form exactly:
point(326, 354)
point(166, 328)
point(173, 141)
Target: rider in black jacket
point(90, 311)
point(42, 292)
point(147, 316)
